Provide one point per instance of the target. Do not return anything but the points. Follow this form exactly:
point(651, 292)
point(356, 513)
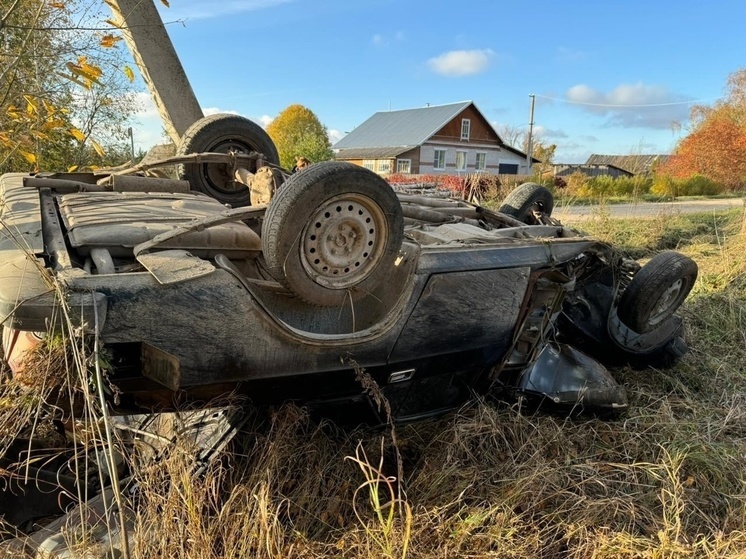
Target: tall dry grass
point(665, 480)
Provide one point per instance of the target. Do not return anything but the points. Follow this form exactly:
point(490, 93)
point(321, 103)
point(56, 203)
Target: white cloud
point(207, 111)
point(458, 63)
point(264, 120)
point(199, 9)
point(632, 105)
point(335, 135)
point(147, 126)
point(381, 40)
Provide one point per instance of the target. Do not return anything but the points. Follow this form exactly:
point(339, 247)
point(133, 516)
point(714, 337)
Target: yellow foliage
point(90, 73)
point(32, 106)
point(53, 124)
point(48, 107)
point(39, 135)
point(77, 134)
point(109, 40)
point(97, 147)
point(12, 112)
point(129, 73)
point(30, 157)
point(297, 132)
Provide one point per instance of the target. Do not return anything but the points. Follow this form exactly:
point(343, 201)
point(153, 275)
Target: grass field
point(664, 480)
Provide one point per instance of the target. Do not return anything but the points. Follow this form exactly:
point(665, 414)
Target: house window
point(404, 166)
point(461, 161)
point(465, 129)
point(481, 163)
point(439, 161)
point(369, 164)
point(384, 166)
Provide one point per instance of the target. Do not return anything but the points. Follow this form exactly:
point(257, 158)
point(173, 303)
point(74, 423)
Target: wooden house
point(442, 139)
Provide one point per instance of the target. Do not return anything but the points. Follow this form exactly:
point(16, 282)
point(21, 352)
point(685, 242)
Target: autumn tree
point(545, 154)
point(513, 136)
point(297, 132)
point(65, 91)
point(716, 145)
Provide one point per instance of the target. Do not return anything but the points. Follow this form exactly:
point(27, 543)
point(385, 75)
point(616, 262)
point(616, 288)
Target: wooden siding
point(481, 131)
point(414, 156)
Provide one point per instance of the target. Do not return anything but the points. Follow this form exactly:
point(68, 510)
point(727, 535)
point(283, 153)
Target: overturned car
point(330, 272)
point(325, 287)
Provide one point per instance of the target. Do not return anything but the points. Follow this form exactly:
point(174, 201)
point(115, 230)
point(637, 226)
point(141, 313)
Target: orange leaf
point(89, 72)
point(53, 124)
point(108, 41)
point(165, 3)
point(58, 5)
point(77, 134)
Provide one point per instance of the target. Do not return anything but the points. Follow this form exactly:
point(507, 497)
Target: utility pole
point(530, 144)
point(132, 144)
point(159, 65)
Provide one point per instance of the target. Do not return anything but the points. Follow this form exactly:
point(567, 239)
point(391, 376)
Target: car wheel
point(332, 232)
point(657, 291)
point(223, 133)
point(525, 199)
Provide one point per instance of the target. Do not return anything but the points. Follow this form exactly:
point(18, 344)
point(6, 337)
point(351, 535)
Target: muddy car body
point(435, 299)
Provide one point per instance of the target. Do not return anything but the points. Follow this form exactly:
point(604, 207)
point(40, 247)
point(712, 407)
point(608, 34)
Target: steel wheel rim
point(344, 241)
point(219, 175)
point(666, 302)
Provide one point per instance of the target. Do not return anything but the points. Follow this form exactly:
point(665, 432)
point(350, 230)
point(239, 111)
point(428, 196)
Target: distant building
point(441, 139)
point(634, 164)
point(567, 169)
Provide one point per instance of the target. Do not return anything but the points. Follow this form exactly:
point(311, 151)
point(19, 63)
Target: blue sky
point(609, 76)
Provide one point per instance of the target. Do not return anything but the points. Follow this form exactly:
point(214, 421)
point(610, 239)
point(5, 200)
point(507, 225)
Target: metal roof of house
point(408, 127)
point(635, 164)
point(590, 169)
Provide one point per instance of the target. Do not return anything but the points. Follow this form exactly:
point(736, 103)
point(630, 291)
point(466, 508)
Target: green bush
point(696, 185)
point(604, 186)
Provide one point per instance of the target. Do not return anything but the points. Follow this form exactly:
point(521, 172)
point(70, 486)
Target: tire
point(526, 198)
point(332, 233)
point(657, 291)
point(222, 133)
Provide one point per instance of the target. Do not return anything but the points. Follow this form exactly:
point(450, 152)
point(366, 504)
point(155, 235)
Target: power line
point(613, 106)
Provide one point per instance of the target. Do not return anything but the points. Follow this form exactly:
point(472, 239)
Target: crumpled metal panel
point(118, 221)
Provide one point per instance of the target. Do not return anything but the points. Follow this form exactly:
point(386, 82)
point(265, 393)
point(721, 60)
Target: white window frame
point(402, 163)
point(465, 155)
point(483, 155)
point(383, 166)
point(370, 164)
point(465, 129)
point(436, 158)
